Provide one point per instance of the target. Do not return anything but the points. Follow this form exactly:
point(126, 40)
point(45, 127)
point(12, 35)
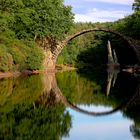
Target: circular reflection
point(77, 108)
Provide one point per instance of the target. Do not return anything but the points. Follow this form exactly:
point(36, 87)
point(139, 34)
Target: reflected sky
point(98, 108)
point(110, 127)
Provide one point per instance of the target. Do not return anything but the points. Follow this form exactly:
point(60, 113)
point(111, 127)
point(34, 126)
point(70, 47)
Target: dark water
point(71, 105)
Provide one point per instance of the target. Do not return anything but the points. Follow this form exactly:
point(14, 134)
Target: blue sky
point(100, 10)
point(110, 127)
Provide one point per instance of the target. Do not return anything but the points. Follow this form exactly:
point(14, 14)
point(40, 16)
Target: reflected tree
point(133, 112)
point(19, 90)
point(23, 115)
point(135, 130)
point(26, 122)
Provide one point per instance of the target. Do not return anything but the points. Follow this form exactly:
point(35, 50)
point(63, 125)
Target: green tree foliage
point(129, 26)
point(69, 54)
point(19, 55)
point(6, 59)
point(37, 18)
point(136, 5)
point(74, 54)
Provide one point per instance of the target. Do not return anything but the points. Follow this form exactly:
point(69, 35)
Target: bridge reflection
point(52, 94)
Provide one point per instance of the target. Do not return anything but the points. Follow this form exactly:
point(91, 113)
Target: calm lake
point(96, 105)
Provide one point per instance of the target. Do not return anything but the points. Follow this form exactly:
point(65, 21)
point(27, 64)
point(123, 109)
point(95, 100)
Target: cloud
point(94, 107)
point(124, 2)
point(101, 15)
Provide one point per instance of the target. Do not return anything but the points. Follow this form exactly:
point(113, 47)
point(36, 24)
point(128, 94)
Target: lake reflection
point(89, 95)
point(38, 107)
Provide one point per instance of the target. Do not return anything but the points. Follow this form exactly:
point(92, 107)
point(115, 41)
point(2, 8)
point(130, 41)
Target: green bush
point(19, 55)
point(6, 59)
point(34, 59)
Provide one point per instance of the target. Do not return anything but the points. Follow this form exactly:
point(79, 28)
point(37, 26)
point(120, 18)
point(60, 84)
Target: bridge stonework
point(135, 45)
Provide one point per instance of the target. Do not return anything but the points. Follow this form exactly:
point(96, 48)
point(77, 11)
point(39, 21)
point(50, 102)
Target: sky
point(100, 10)
point(111, 127)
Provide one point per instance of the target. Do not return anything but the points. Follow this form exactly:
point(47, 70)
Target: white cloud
point(124, 2)
point(100, 15)
point(95, 107)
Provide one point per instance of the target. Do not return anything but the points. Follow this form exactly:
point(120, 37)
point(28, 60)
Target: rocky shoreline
point(34, 72)
point(17, 73)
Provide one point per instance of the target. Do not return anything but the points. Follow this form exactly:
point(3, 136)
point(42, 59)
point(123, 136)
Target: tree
point(38, 18)
point(136, 5)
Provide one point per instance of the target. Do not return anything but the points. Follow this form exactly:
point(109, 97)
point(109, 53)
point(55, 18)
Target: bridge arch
point(61, 45)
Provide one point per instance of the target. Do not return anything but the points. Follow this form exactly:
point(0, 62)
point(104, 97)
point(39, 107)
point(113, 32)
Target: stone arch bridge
point(135, 45)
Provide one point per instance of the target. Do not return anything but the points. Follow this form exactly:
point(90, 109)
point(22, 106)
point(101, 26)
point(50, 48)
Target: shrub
point(34, 59)
point(19, 55)
point(6, 59)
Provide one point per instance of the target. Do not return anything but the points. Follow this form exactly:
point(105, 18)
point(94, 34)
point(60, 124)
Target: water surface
point(71, 105)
